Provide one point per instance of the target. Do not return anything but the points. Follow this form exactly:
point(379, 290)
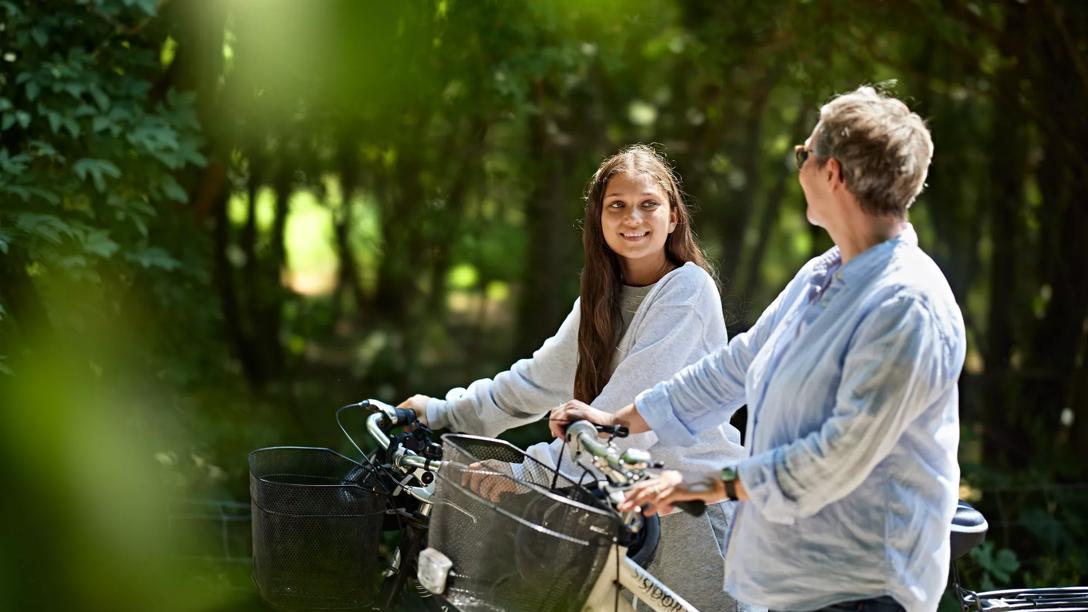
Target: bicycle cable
point(559, 463)
point(340, 424)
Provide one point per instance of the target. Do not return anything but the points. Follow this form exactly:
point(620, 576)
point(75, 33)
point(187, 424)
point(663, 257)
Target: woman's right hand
point(418, 404)
point(574, 410)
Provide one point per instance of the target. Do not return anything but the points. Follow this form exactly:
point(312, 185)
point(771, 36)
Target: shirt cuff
point(656, 409)
point(436, 413)
point(757, 474)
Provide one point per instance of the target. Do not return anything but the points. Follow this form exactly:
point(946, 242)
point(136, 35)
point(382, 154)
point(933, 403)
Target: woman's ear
point(834, 171)
point(673, 218)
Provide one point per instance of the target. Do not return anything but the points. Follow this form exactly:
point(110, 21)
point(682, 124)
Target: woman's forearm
point(629, 417)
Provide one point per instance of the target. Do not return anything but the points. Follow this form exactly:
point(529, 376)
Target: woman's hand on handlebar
point(418, 405)
point(490, 478)
point(658, 494)
point(574, 410)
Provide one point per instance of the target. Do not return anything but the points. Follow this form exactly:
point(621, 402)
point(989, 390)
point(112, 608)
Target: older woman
point(850, 377)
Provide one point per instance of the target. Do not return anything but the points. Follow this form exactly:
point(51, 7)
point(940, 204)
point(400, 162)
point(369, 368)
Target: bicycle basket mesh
point(317, 518)
point(516, 541)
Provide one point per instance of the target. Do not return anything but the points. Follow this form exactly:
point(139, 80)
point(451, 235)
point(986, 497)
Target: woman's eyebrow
point(620, 195)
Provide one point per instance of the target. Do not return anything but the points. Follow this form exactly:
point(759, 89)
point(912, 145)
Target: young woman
point(648, 308)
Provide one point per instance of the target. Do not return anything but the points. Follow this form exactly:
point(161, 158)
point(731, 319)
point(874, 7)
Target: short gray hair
point(884, 149)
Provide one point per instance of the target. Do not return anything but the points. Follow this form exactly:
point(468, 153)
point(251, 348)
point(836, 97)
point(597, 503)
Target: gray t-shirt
point(630, 299)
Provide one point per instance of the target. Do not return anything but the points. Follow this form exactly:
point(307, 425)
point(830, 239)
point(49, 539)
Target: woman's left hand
point(418, 404)
point(658, 494)
point(574, 410)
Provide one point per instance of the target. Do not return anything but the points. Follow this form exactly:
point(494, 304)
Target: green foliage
point(997, 567)
point(88, 150)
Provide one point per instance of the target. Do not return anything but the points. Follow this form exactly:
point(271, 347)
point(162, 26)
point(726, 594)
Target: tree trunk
point(1001, 446)
point(228, 295)
point(347, 273)
point(769, 216)
point(1058, 339)
point(542, 305)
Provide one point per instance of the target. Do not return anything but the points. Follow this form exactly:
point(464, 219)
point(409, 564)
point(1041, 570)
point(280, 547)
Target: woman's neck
point(864, 232)
point(640, 273)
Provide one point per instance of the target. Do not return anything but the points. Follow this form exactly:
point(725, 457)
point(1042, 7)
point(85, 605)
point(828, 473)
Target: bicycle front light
point(434, 567)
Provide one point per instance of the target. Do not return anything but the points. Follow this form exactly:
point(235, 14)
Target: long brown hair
point(602, 278)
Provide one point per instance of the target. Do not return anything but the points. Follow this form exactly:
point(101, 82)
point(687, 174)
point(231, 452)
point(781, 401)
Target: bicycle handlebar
point(623, 468)
point(385, 417)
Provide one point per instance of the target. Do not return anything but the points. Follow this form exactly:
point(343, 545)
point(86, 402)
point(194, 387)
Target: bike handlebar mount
point(623, 468)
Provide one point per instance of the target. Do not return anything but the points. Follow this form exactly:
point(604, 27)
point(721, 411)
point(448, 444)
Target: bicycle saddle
point(968, 529)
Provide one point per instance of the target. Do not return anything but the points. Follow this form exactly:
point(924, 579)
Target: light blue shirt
point(850, 381)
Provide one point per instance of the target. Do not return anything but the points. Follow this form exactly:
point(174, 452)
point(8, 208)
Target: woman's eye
point(615, 205)
point(650, 204)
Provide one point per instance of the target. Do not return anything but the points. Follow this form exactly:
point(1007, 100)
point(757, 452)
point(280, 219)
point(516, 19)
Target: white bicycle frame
point(644, 586)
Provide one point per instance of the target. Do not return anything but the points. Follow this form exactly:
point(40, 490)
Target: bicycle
point(969, 529)
point(318, 517)
point(534, 539)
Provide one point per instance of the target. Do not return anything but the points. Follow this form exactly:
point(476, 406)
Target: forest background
point(221, 220)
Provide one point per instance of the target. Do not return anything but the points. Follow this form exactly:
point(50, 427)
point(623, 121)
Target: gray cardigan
point(678, 322)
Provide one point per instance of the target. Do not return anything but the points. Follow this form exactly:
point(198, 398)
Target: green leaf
point(100, 98)
point(44, 194)
point(32, 90)
point(147, 6)
point(13, 164)
point(7, 121)
point(100, 123)
point(23, 118)
point(153, 257)
point(17, 190)
point(173, 190)
point(99, 243)
point(54, 119)
point(46, 227)
point(72, 127)
point(42, 148)
point(74, 89)
point(97, 169)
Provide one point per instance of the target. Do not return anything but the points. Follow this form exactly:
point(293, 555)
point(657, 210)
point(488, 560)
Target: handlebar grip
point(405, 416)
point(693, 507)
point(620, 431)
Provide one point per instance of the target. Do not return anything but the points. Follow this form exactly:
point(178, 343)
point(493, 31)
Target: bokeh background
point(222, 219)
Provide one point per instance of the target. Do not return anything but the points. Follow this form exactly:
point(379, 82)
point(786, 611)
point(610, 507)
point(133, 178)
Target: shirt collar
point(873, 258)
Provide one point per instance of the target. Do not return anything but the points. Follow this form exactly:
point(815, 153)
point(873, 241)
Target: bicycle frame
point(606, 593)
point(621, 469)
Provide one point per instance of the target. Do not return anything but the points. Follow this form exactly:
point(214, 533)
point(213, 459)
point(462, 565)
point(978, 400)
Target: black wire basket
point(521, 536)
point(317, 520)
